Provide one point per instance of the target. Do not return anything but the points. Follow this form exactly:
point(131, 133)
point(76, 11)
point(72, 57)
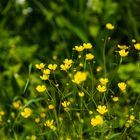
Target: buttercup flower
point(89, 56)
point(122, 86)
point(41, 88)
point(26, 112)
point(103, 81)
point(79, 77)
point(137, 46)
point(123, 53)
point(40, 66)
point(46, 71)
point(51, 106)
point(44, 77)
point(78, 48)
point(99, 68)
point(16, 104)
point(101, 88)
point(33, 137)
point(115, 99)
point(81, 94)
point(109, 26)
point(102, 109)
point(98, 120)
point(67, 64)
point(50, 124)
point(52, 66)
point(65, 103)
point(122, 47)
point(87, 45)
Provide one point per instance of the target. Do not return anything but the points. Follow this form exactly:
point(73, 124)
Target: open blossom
point(67, 64)
point(122, 86)
point(103, 81)
point(102, 109)
point(109, 26)
point(123, 53)
point(122, 47)
point(78, 48)
point(89, 56)
point(50, 124)
point(87, 45)
point(44, 77)
point(41, 88)
point(101, 88)
point(46, 71)
point(26, 112)
point(40, 66)
point(52, 66)
point(137, 46)
point(79, 77)
point(98, 120)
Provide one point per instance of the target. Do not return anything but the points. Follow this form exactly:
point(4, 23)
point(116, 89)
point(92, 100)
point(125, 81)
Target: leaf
point(113, 135)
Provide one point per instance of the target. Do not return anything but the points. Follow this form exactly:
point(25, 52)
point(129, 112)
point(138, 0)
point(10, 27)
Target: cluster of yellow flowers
point(102, 86)
point(50, 124)
point(67, 64)
point(83, 47)
point(98, 119)
point(66, 105)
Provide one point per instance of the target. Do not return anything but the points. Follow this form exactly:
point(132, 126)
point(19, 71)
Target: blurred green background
point(32, 31)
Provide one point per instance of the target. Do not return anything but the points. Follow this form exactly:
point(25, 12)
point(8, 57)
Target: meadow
point(69, 70)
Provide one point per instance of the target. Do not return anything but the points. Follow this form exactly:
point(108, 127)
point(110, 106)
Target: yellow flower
point(90, 112)
point(16, 104)
point(123, 53)
point(65, 103)
point(137, 46)
point(109, 26)
point(101, 88)
point(40, 66)
point(43, 115)
point(87, 45)
point(89, 56)
point(46, 71)
point(102, 109)
point(79, 48)
point(79, 77)
point(115, 99)
point(50, 124)
point(67, 64)
point(81, 65)
point(26, 112)
point(122, 86)
point(132, 117)
point(37, 120)
point(99, 68)
point(98, 120)
point(44, 77)
point(103, 81)
point(81, 94)
point(51, 106)
point(122, 47)
point(41, 88)
point(33, 137)
point(52, 66)
point(2, 113)
point(133, 41)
